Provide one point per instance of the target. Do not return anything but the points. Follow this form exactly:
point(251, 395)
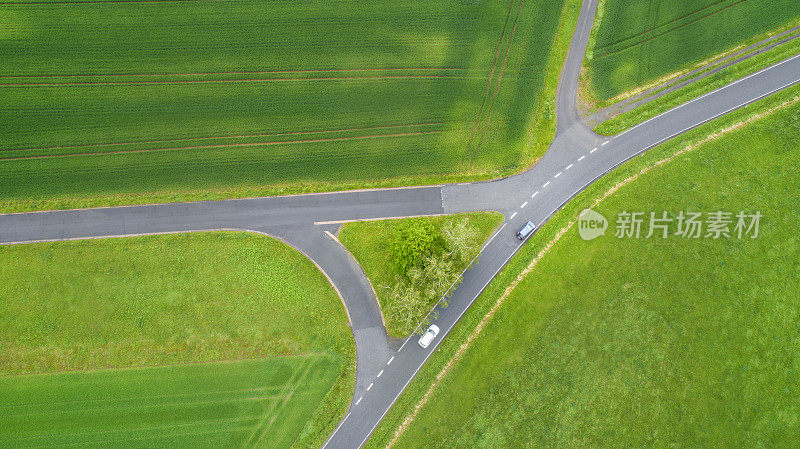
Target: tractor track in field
point(667, 23)
point(500, 75)
point(662, 33)
point(491, 74)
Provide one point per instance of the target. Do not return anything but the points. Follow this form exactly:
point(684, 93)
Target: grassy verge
point(257, 402)
point(156, 300)
point(737, 71)
point(369, 242)
point(543, 317)
point(408, 93)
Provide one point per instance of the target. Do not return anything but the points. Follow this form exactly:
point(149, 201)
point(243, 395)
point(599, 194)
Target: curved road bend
point(576, 158)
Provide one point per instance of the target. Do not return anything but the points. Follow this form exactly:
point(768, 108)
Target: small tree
point(439, 273)
point(411, 243)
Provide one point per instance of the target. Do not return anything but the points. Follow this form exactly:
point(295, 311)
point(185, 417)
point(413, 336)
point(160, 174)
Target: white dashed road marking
point(604, 143)
point(535, 193)
point(569, 166)
point(581, 158)
point(523, 205)
point(512, 216)
point(379, 374)
point(546, 184)
point(593, 150)
point(557, 175)
point(359, 400)
point(370, 386)
point(390, 361)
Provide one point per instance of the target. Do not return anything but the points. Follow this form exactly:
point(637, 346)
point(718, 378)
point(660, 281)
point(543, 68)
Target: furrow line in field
point(232, 145)
point(219, 164)
point(219, 81)
point(256, 72)
point(229, 136)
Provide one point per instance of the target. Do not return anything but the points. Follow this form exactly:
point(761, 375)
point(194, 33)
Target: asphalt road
point(576, 158)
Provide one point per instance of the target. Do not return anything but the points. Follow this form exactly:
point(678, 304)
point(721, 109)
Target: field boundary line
point(546, 249)
point(165, 365)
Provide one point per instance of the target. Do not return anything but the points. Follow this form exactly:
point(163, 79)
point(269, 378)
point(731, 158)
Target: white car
point(429, 335)
point(525, 231)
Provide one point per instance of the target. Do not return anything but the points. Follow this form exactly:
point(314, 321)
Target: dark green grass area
point(171, 299)
point(641, 342)
point(370, 244)
point(636, 42)
point(252, 403)
point(104, 103)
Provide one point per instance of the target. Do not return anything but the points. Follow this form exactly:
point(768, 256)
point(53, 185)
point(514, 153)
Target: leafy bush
point(412, 242)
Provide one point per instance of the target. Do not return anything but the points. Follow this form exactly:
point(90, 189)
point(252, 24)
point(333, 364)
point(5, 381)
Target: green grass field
point(251, 403)
point(123, 102)
point(640, 114)
point(635, 42)
point(167, 300)
point(640, 342)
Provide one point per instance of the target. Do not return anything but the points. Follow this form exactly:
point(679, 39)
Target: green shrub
point(411, 243)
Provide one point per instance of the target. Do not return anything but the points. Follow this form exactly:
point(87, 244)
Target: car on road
point(525, 231)
point(429, 335)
